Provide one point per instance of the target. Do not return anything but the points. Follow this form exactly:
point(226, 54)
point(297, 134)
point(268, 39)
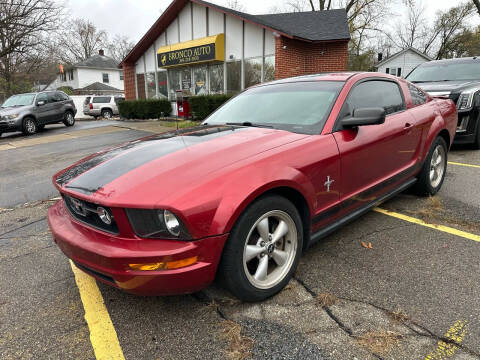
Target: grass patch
point(326, 299)
point(379, 342)
point(181, 124)
point(240, 346)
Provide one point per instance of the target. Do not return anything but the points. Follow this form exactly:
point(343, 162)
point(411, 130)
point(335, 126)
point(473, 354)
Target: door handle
point(407, 126)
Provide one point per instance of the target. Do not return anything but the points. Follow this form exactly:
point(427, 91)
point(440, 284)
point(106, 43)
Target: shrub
point(66, 89)
point(144, 109)
point(203, 105)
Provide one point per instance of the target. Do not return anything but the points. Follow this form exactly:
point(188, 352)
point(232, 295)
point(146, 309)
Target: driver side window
point(374, 93)
point(42, 97)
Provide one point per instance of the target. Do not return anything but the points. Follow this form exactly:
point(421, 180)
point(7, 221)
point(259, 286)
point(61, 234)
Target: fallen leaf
point(370, 246)
point(364, 244)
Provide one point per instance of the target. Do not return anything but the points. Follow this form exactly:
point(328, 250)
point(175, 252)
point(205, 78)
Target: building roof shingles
point(98, 62)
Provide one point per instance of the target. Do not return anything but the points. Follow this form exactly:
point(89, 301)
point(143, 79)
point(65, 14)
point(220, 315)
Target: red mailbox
point(183, 107)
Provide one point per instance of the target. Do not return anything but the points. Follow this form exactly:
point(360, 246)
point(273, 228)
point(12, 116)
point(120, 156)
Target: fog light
point(104, 215)
point(164, 265)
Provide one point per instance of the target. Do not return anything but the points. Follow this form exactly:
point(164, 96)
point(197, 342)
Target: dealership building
point(202, 48)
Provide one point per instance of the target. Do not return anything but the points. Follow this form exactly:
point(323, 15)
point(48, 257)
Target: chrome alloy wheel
point(69, 118)
point(437, 166)
point(30, 126)
point(270, 249)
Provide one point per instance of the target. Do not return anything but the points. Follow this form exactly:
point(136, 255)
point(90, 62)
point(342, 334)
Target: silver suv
point(104, 106)
point(32, 111)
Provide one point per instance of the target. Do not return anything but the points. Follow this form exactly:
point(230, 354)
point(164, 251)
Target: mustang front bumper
point(107, 257)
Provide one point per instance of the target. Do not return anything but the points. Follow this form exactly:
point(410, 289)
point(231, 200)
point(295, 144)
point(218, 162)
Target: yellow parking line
point(443, 228)
point(463, 164)
point(446, 350)
point(102, 333)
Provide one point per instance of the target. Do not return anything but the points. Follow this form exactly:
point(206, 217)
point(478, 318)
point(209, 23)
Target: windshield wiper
point(248, 123)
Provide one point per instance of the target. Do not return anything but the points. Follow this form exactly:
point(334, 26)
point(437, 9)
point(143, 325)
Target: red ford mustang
point(241, 196)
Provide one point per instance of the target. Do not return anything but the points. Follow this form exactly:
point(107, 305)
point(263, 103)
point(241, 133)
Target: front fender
point(240, 194)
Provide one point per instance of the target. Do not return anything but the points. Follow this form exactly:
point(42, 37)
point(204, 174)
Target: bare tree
point(118, 47)
point(414, 32)
point(236, 5)
point(79, 41)
point(23, 34)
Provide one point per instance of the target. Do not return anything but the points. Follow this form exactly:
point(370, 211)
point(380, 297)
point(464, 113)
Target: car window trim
point(337, 127)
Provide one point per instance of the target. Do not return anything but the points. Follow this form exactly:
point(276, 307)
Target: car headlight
point(465, 100)
point(157, 224)
point(10, 117)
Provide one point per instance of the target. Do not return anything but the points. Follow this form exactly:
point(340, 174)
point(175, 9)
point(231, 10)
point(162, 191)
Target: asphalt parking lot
point(413, 294)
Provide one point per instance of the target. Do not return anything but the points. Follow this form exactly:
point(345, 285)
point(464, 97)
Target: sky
point(134, 17)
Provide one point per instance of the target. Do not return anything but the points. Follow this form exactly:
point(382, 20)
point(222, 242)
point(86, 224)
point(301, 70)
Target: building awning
point(210, 48)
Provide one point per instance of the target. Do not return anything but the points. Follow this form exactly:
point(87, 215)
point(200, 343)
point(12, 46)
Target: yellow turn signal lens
point(164, 265)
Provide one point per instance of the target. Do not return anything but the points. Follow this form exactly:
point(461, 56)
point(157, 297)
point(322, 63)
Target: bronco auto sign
point(200, 50)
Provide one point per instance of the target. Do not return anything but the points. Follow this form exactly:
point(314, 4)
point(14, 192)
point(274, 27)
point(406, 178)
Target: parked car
point(239, 198)
point(104, 106)
point(32, 111)
point(459, 80)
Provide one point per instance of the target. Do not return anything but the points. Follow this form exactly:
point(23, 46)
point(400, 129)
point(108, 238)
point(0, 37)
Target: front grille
point(86, 212)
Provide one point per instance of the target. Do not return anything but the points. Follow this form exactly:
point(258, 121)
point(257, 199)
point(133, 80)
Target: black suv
point(459, 80)
point(31, 112)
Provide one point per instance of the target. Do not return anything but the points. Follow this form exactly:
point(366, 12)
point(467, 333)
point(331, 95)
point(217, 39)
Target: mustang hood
point(163, 163)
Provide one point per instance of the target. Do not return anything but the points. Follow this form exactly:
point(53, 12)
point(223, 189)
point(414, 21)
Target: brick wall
point(301, 58)
point(129, 82)
point(141, 86)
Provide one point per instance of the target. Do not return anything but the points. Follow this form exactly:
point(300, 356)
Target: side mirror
point(40, 103)
point(365, 116)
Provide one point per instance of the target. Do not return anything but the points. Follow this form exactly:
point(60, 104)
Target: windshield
point(446, 71)
point(19, 100)
point(298, 107)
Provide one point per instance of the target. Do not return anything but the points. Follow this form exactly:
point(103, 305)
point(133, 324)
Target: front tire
point(476, 143)
point(68, 119)
point(29, 126)
point(263, 249)
point(433, 172)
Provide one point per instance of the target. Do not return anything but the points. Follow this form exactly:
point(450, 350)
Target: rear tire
point(68, 119)
point(253, 268)
point(434, 168)
point(107, 114)
point(29, 126)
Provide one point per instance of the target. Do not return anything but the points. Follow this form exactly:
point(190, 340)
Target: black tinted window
point(101, 99)
point(63, 96)
point(418, 96)
point(87, 100)
point(376, 93)
point(54, 97)
point(42, 97)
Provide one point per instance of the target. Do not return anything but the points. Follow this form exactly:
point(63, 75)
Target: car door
point(42, 109)
point(57, 109)
point(376, 158)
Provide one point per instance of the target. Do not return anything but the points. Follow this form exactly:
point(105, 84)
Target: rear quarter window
point(418, 96)
point(101, 100)
point(87, 100)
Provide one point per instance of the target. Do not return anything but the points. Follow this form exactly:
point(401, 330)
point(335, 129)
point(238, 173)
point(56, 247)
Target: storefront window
point(200, 78)
point(216, 79)
point(234, 77)
point(151, 85)
point(187, 81)
point(253, 72)
point(162, 84)
point(269, 68)
point(174, 79)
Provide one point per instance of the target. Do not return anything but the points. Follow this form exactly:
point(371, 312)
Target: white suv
point(104, 106)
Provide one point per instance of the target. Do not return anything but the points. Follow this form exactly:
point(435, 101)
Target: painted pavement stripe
point(445, 350)
point(463, 164)
point(102, 332)
point(443, 228)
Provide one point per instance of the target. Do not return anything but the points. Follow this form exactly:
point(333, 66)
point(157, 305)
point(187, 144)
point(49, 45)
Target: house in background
point(97, 74)
point(401, 63)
